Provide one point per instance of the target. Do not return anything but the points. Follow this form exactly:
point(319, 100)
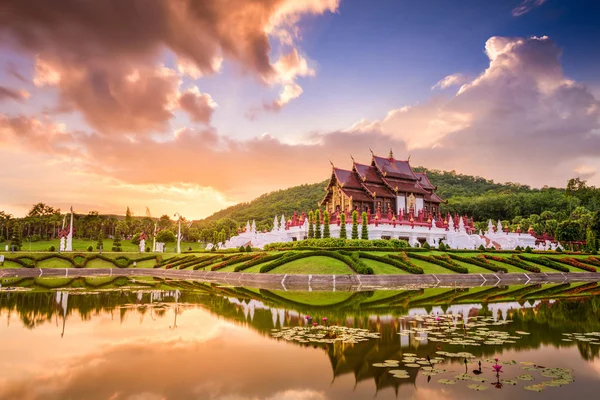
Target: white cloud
point(526, 6)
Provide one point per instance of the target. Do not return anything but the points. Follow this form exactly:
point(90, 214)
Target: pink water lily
point(324, 319)
point(497, 368)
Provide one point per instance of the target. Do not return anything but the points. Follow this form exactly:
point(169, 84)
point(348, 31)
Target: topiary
point(528, 249)
point(442, 247)
point(248, 249)
point(559, 250)
point(481, 247)
point(147, 249)
point(52, 248)
point(364, 231)
point(343, 234)
point(214, 248)
point(242, 249)
point(90, 249)
point(354, 224)
point(518, 248)
point(426, 245)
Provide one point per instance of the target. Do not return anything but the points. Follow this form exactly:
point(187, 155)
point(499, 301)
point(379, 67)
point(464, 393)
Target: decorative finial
point(391, 156)
point(332, 166)
point(408, 158)
point(373, 154)
point(352, 158)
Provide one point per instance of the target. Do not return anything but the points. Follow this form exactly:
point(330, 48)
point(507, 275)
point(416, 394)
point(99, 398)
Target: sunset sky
point(191, 106)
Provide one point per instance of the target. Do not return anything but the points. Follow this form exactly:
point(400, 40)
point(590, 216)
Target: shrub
point(122, 262)
point(481, 247)
point(116, 249)
point(326, 233)
point(147, 249)
point(393, 262)
point(100, 243)
point(354, 224)
point(233, 260)
point(52, 248)
point(117, 241)
point(214, 248)
point(528, 249)
point(311, 226)
point(318, 224)
point(79, 260)
point(355, 265)
point(515, 262)
point(343, 234)
point(518, 248)
point(242, 249)
point(364, 229)
point(441, 262)
point(559, 250)
point(399, 244)
point(35, 237)
point(136, 239)
point(480, 262)
point(442, 247)
point(426, 246)
point(90, 249)
point(258, 260)
point(545, 262)
point(2, 239)
point(248, 249)
point(574, 263)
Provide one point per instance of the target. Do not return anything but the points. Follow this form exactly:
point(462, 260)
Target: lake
point(150, 338)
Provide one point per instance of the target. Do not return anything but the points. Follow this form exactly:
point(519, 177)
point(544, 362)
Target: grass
point(314, 265)
point(381, 268)
point(81, 245)
point(311, 265)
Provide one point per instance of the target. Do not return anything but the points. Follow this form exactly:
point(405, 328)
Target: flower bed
point(574, 263)
point(442, 263)
point(262, 259)
point(545, 261)
point(413, 269)
point(234, 260)
point(591, 260)
point(480, 262)
point(515, 262)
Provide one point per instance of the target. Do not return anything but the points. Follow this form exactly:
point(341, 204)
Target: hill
point(476, 196)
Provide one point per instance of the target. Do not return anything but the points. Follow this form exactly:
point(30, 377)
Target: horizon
point(104, 106)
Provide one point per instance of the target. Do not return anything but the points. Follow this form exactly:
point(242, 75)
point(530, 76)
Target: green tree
point(311, 226)
point(343, 234)
point(590, 238)
point(318, 224)
point(569, 231)
point(354, 224)
point(117, 241)
point(16, 241)
point(165, 236)
point(326, 233)
point(99, 243)
point(364, 231)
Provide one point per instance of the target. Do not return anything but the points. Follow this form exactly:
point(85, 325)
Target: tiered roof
point(384, 178)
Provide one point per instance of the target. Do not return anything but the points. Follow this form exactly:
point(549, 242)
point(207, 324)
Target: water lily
point(497, 368)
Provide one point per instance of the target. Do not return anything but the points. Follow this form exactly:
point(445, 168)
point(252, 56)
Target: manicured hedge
point(198, 260)
point(442, 263)
point(232, 261)
point(515, 262)
point(580, 289)
point(356, 265)
point(482, 294)
point(516, 293)
point(260, 260)
point(574, 263)
point(449, 295)
point(591, 260)
point(545, 261)
point(390, 261)
point(338, 243)
point(480, 262)
point(550, 291)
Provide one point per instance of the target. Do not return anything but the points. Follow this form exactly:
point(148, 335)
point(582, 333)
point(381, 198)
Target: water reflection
point(130, 338)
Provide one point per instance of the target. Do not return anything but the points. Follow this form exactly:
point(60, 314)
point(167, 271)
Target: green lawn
point(314, 265)
point(381, 268)
point(81, 245)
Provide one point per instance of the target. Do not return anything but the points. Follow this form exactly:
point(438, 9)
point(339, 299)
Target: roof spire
point(408, 158)
point(371, 152)
point(352, 158)
point(391, 156)
point(332, 166)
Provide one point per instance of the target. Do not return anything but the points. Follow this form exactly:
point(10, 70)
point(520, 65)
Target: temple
point(399, 204)
point(386, 185)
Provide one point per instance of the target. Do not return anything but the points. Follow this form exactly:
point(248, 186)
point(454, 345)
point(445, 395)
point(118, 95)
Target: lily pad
point(477, 387)
point(535, 388)
point(412, 365)
point(525, 377)
point(522, 333)
point(509, 382)
point(447, 381)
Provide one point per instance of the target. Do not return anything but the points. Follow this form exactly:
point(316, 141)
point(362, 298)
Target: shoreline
point(312, 282)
